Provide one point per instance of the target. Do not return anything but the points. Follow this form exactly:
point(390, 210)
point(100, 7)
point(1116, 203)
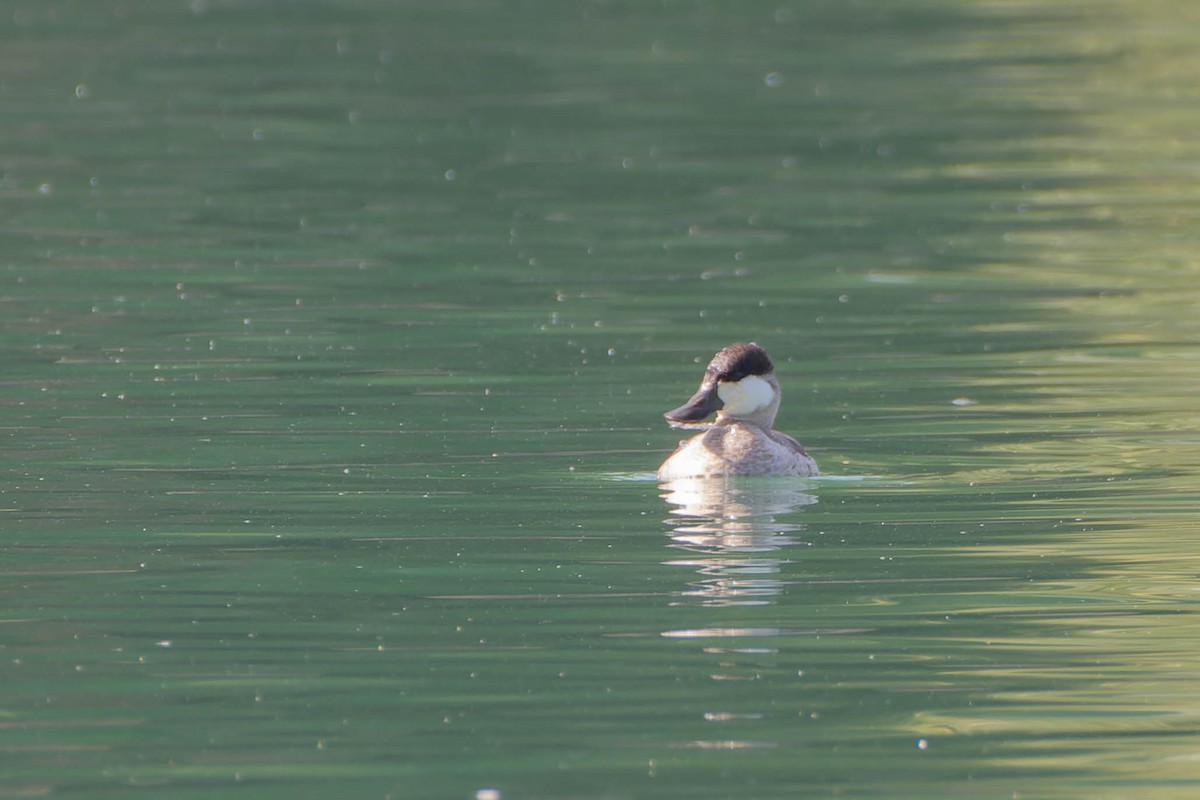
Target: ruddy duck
point(739, 384)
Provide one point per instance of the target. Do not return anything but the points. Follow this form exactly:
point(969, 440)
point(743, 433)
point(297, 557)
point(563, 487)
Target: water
point(336, 339)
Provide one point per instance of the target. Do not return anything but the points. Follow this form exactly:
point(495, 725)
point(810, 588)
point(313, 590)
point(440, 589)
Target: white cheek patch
point(746, 396)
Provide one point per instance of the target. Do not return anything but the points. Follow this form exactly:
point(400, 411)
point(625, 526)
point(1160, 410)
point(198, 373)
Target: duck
point(739, 384)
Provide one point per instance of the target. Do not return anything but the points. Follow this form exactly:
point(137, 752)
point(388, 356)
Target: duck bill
point(703, 403)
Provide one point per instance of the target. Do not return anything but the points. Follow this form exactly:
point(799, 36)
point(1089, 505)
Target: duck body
point(739, 385)
point(731, 447)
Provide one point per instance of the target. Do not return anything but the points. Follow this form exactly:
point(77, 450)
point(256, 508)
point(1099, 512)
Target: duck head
point(739, 383)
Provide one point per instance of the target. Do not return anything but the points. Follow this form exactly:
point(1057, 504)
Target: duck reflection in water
point(729, 526)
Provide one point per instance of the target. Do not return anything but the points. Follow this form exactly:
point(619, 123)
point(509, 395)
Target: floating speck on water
point(773, 79)
point(487, 794)
point(922, 744)
point(451, 174)
point(963, 401)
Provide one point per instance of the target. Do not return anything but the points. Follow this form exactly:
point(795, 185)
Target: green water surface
point(335, 338)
